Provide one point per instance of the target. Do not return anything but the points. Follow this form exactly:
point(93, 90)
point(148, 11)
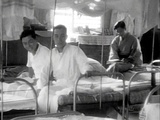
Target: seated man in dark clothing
point(125, 51)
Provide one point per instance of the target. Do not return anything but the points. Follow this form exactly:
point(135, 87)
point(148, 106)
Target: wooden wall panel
point(14, 53)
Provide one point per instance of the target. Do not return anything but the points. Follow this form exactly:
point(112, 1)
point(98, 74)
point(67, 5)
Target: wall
point(106, 18)
point(17, 55)
point(14, 53)
point(95, 51)
point(46, 41)
point(146, 45)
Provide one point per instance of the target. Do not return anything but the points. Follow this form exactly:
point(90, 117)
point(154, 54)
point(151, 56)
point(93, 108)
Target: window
point(76, 22)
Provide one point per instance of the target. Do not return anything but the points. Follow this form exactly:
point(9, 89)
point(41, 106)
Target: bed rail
point(154, 90)
point(101, 75)
point(151, 105)
point(153, 85)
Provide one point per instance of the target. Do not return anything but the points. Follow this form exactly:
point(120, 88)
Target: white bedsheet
point(15, 96)
point(16, 102)
point(25, 100)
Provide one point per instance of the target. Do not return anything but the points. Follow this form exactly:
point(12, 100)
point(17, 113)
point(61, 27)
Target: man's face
point(29, 44)
point(60, 38)
point(120, 31)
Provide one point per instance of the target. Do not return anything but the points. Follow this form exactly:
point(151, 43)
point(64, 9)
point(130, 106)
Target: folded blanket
point(14, 72)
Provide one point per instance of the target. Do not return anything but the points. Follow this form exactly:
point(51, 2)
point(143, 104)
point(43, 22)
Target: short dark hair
point(60, 27)
point(120, 24)
point(26, 33)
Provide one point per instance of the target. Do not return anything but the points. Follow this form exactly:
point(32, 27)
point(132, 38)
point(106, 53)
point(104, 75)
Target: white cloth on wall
point(44, 17)
point(129, 21)
point(151, 15)
point(13, 13)
point(127, 18)
point(141, 10)
point(12, 27)
point(18, 8)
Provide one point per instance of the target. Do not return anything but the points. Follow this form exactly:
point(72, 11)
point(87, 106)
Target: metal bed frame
point(153, 99)
point(74, 112)
point(153, 85)
point(154, 90)
point(10, 79)
point(100, 92)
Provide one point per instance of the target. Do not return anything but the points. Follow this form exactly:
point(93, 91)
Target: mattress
point(88, 93)
point(112, 93)
point(16, 102)
point(14, 98)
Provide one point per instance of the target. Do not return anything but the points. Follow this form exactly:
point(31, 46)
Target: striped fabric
point(18, 8)
point(13, 13)
point(137, 96)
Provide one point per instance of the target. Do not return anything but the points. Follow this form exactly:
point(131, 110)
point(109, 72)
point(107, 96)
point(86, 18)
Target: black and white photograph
point(79, 59)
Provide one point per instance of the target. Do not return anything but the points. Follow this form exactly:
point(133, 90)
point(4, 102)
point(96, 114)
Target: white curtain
point(151, 15)
point(127, 18)
point(140, 10)
point(130, 7)
point(12, 13)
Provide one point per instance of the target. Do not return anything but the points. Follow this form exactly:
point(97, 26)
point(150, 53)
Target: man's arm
point(113, 54)
point(135, 50)
point(44, 77)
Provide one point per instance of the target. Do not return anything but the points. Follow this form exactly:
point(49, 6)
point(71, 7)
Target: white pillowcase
point(96, 66)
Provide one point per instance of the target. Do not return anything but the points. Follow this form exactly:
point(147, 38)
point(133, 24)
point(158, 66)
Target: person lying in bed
point(125, 50)
point(68, 63)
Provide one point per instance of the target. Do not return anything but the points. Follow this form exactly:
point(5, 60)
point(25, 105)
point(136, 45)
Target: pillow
point(96, 66)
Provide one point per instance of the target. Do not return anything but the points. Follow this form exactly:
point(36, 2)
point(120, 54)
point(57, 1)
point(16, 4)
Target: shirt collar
point(64, 48)
point(125, 36)
point(37, 49)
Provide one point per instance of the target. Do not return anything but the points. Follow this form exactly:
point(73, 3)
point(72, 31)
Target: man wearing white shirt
point(38, 55)
point(68, 63)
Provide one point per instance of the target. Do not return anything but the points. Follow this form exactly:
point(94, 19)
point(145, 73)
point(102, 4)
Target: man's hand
point(34, 81)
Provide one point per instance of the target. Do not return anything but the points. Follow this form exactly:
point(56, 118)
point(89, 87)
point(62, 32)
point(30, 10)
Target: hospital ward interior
point(65, 59)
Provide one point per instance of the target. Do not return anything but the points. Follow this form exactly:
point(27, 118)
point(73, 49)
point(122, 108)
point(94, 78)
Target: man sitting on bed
point(38, 55)
point(125, 50)
point(68, 63)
